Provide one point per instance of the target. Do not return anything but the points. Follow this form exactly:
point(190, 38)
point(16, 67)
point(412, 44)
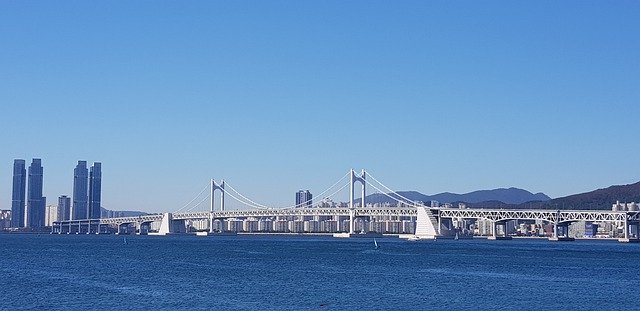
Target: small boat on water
point(376, 243)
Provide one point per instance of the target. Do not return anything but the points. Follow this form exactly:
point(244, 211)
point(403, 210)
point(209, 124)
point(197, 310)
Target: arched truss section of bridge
point(544, 215)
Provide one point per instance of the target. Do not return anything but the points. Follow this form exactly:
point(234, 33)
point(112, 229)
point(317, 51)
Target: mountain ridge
point(599, 199)
point(505, 195)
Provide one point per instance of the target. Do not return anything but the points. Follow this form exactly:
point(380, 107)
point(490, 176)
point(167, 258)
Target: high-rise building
point(304, 198)
point(50, 215)
point(80, 197)
point(95, 188)
point(35, 201)
point(64, 207)
point(19, 193)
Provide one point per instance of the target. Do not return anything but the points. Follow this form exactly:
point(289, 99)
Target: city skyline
point(432, 97)
point(29, 207)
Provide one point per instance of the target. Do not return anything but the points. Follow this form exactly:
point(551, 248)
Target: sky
point(277, 96)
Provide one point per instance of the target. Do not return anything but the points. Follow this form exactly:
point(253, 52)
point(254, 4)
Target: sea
point(295, 272)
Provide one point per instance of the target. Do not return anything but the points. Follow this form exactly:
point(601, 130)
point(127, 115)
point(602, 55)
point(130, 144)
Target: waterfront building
point(311, 226)
point(620, 207)
point(377, 226)
point(80, 195)
point(296, 226)
point(393, 226)
point(484, 227)
point(64, 207)
point(18, 195)
point(280, 225)
point(408, 226)
point(51, 215)
point(197, 225)
point(265, 225)
point(5, 219)
point(234, 225)
point(304, 199)
point(219, 225)
point(95, 189)
point(250, 225)
point(35, 201)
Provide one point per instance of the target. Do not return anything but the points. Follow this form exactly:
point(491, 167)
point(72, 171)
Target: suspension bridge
point(408, 219)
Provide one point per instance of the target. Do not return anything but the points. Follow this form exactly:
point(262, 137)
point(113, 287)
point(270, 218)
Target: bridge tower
point(355, 178)
point(215, 187)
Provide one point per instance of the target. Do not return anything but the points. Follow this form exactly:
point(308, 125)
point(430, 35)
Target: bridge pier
point(561, 232)
point(495, 235)
point(627, 232)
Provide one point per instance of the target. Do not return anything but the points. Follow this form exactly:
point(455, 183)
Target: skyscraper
point(80, 182)
point(18, 194)
point(35, 201)
point(64, 207)
point(95, 188)
point(304, 198)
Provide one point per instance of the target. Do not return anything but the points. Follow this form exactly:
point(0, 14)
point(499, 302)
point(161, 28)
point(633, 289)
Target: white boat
point(375, 243)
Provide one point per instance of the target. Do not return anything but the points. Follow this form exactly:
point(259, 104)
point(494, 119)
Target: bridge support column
point(354, 179)
point(561, 236)
point(494, 229)
point(495, 235)
point(211, 222)
point(352, 213)
point(626, 239)
point(166, 227)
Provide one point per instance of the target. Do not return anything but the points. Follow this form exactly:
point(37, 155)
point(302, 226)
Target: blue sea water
point(73, 272)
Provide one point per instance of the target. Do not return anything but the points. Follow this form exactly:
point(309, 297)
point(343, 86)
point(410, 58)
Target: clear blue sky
point(276, 96)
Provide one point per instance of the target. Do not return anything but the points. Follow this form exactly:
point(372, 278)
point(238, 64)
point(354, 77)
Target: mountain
point(501, 195)
point(597, 199)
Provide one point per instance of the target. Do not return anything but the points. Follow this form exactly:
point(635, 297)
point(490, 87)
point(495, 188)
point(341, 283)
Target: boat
point(376, 243)
point(456, 237)
point(125, 240)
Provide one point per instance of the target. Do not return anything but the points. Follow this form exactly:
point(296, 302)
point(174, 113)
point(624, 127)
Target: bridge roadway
point(551, 216)
point(560, 219)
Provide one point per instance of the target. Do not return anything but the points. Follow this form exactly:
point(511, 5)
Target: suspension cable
point(408, 202)
point(205, 198)
point(197, 196)
point(262, 206)
point(396, 193)
point(243, 202)
point(242, 196)
point(334, 193)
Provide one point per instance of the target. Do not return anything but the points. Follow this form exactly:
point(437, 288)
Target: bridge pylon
point(215, 187)
point(355, 178)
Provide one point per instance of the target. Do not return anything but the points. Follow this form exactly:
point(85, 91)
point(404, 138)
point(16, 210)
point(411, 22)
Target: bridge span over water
point(430, 222)
point(434, 219)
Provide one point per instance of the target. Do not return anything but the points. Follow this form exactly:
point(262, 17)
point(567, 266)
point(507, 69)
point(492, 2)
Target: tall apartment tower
point(35, 201)
point(64, 207)
point(19, 193)
point(80, 182)
point(95, 189)
point(304, 199)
